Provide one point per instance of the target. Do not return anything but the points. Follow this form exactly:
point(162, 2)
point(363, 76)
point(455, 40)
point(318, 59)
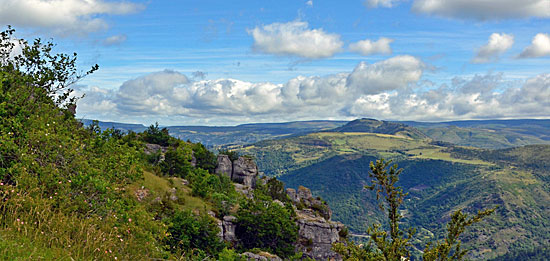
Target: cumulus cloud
point(115, 40)
point(391, 74)
point(391, 89)
point(380, 3)
point(295, 39)
point(540, 46)
point(497, 44)
point(63, 16)
point(484, 10)
point(368, 47)
point(309, 3)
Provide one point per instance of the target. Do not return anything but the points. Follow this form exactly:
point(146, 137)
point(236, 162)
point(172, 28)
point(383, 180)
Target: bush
point(155, 135)
point(266, 225)
point(188, 231)
point(177, 162)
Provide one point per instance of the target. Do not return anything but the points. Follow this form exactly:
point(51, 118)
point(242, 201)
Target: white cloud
point(390, 89)
point(484, 10)
point(368, 47)
point(382, 3)
point(497, 44)
point(115, 40)
point(172, 94)
point(391, 74)
point(540, 46)
point(295, 39)
point(309, 3)
point(63, 16)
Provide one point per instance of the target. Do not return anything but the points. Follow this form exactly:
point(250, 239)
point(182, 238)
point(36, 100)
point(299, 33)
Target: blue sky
point(231, 62)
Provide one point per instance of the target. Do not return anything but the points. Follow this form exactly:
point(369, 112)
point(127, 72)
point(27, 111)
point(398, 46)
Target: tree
point(264, 224)
point(54, 73)
point(450, 248)
point(383, 182)
point(395, 245)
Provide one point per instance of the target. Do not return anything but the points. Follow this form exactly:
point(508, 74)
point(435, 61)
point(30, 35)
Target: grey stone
point(245, 171)
point(224, 166)
point(229, 226)
point(262, 256)
point(317, 236)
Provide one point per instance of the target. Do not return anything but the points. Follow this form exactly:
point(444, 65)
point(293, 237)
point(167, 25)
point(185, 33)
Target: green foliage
point(397, 245)
point(218, 189)
point(349, 251)
point(188, 231)
point(156, 135)
point(62, 187)
point(205, 159)
point(264, 224)
point(276, 190)
point(177, 161)
point(450, 249)
point(229, 255)
point(232, 154)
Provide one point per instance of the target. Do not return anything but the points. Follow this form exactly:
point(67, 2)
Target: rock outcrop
point(316, 231)
point(316, 236)
point(224, 166)
point(243, 170)
point(262, 256)
point(228, 229)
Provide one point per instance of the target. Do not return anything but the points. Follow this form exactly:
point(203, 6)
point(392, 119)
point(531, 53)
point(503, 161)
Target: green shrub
point(188, 231)
point(266, 225)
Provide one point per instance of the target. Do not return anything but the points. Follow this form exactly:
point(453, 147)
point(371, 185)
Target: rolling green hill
point(438, 177)
point(490, 134)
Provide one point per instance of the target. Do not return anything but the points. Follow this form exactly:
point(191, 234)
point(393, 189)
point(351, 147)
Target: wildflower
point(1, 183)
point(70, 181)
point(129, 220)
point(59, 182)
point(121, 240)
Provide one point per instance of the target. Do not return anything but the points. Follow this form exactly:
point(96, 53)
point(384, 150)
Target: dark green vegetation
point(240, 134)
point(74, 193)
point(395, 244)
point(439, 178)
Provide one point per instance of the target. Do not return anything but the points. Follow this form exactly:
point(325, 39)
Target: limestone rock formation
point(245, 171)
point(317, 236)
point(228, 225)
point(316, 231)
point(224, 166)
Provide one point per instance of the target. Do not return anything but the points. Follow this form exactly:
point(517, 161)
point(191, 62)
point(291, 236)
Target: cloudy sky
point(188, 62)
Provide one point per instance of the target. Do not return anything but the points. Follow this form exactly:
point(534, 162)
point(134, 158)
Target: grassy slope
point(335, 166)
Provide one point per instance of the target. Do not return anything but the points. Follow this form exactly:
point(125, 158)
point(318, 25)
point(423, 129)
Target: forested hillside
point(439, 177)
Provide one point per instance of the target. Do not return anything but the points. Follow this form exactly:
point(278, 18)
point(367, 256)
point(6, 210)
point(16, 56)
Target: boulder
point(245, 171)
point(228, 226)
point(224, 166)
point(292, 195)
point(316, 236)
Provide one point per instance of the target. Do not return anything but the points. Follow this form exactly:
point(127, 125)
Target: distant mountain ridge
point(489, 134)
point(381, 127)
